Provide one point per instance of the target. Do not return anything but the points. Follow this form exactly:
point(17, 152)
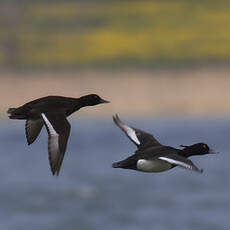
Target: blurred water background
point(89, 194)
point(164, 65)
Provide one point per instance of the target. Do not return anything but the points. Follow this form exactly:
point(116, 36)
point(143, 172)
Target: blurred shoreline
point(198, 92)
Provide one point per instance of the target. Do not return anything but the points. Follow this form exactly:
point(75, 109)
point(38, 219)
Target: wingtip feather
point(54, 170)
point(117, 120)
point(197, 169)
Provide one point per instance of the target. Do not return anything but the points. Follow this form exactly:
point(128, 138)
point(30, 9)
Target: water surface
point(89, 194)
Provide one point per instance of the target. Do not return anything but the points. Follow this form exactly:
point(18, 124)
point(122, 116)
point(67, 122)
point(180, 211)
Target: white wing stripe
point(49, 126)
point(53, 144)
point(132, 134)
point(172, 161)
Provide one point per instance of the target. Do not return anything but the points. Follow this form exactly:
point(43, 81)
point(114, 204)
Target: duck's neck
point(82, 102)
point(76, 104)
point(186, 152)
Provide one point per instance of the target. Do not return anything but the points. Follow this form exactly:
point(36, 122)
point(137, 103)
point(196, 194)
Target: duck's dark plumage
point(152, 156)
point(140, 138)
point(52, 111)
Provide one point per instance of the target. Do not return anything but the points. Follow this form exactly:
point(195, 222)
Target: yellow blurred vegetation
point(131, 32)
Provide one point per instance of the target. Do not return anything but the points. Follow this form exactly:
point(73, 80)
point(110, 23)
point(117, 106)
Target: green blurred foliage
point(118, 33)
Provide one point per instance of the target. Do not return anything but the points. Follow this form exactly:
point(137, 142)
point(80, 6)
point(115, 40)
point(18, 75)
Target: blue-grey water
point(89, 194)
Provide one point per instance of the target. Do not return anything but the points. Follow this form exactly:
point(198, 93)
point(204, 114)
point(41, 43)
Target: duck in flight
point(52, 111)
point(151, 156)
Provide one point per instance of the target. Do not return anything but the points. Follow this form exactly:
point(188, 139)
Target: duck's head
point(197, 149)
point(92, 99)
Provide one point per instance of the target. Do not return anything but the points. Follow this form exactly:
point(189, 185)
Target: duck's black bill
point(211, 151)
point(102, 101)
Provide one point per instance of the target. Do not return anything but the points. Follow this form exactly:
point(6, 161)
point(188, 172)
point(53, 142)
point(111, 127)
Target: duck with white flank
point(151, 156)
point(52, 111)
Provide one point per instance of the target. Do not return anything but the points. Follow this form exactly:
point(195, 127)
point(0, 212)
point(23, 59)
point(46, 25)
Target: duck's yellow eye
point(204, 146)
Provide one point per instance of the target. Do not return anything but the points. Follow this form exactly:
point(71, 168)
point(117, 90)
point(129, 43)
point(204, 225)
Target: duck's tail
point(128, 163)
point(117, 165)
point(15, 113)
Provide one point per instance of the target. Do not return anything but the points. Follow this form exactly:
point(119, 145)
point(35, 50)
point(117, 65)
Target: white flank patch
point(172, 161)
point(132, 134)
point(152, 165)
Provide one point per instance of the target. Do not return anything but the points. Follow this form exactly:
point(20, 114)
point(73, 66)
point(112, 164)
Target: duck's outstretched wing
point(33, 128)
point(180, 161)
point(58, 129)
point(140, 138)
